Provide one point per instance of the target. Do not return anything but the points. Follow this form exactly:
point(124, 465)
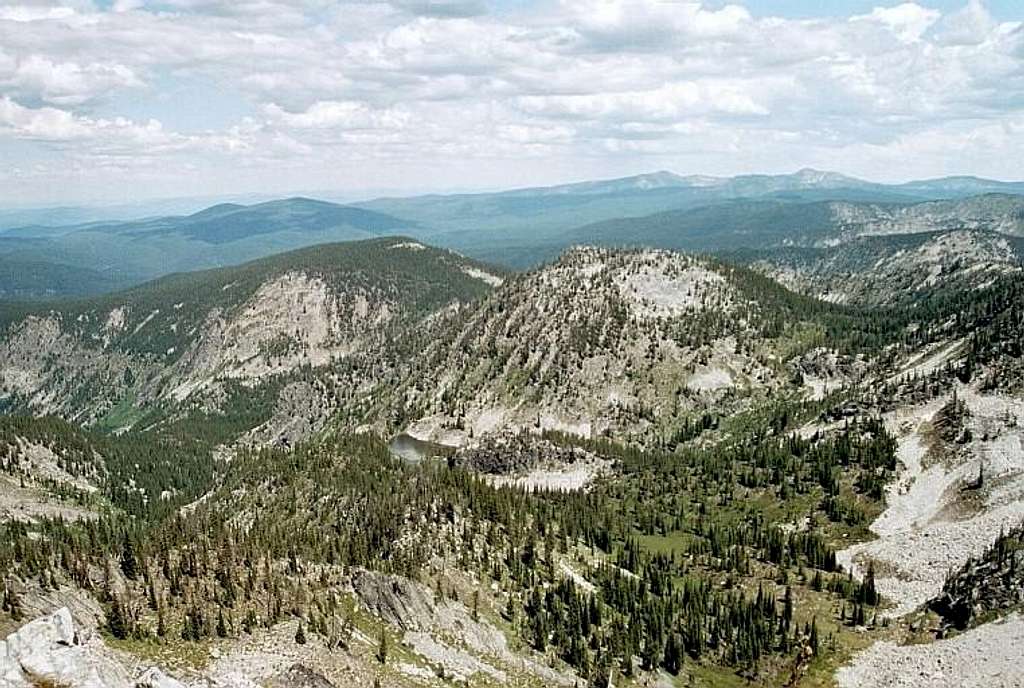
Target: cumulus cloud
point(63, 83)
point(45, 124)
point(670, 102)
point(971, 26)
point(651, 25)
point(442, 8)
point(339, 115)
point(407, 85)
point(909, 21)
point(30, 13)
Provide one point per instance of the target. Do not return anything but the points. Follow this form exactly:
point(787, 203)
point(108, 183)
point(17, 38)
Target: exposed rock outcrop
point(991, 584)
point(509, 454)
point(155, 678)
point(49, 651)
point(299, 676)
point(52, 651)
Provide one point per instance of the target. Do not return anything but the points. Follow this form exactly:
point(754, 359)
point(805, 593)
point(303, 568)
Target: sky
point(121, 100)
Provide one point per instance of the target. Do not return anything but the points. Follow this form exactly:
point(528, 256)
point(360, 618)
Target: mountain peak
point(217, 210)
point(659, 179)
point(809, 175)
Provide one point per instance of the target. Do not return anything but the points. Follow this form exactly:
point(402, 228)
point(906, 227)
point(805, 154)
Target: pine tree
point(222, 629)
point(117, 620)
point(673, 661)
point(382, 646)
point(129, 562)
point(787, 610)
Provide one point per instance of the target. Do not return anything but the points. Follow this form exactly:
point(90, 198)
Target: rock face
point(937, 516)
point(190, 341)
point(50, 651)
point(879, 270)
point(991, 212)
point(993, 583)
point(510, 454)
point(154, 678)
point(601, 340)
point(299, 676)
point(428, 625)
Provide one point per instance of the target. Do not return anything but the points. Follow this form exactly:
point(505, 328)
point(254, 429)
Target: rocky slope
point(986, 657)
point(992, 212)
point(763, 224)
point(49, 651)
point(299, 562)
point(216, 340)
point(42, 475)
point(937, 515)
point(602, 341)
point(54, 650)
point(986, 586)
point(893, 269)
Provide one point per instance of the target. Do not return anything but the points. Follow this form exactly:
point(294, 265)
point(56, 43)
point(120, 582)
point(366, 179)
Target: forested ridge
point(282, 528)
point(709, 544)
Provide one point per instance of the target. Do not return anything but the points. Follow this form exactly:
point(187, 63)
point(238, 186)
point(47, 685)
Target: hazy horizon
point(343, 196)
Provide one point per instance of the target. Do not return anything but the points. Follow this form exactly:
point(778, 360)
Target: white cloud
point(30, 13)
point(405, 86)
point(670, 102)
point(45, 124)
point(650, 25)
point(127, 5)
point(442, 8)
point(533, 134)
point(65, 83)
point(909, 21)
point(970, 26)
point(339, 115)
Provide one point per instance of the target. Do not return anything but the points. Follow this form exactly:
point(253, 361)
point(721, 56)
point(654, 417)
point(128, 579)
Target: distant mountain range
point(122, 253)
point(517, 228)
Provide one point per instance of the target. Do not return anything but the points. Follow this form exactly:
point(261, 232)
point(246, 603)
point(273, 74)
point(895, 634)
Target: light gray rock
point(48, 650)
point(154, 678)
point(299, 676)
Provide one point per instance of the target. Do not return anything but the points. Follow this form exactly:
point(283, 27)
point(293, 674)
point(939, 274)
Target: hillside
point(236, 341)
point(883, 270)
point(222, 235)
point(632, 343)
point(567, 205)
point(29, 279)
point(519, 228)
point(761, 224)
point(655, 467)
point(433, 572)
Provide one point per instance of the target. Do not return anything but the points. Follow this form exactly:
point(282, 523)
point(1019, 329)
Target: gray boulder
point(48, 651)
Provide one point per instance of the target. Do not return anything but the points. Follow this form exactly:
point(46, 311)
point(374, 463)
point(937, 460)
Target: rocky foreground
point(53, 651)
point(962, 484)
point(986, 657)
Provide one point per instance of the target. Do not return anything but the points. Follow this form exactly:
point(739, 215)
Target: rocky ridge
point(193, 342)
point(985, 586)
point(883, 270)
point(599, 341)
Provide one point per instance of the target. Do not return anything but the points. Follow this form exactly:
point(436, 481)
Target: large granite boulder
point(48, 651)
